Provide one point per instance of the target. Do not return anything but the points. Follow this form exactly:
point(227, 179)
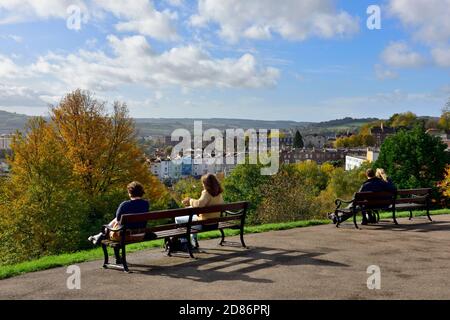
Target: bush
point(414, 159)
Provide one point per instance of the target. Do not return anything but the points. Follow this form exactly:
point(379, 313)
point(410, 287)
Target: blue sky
point(304, 60)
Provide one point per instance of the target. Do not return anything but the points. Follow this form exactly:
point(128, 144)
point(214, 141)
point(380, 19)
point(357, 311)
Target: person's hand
point(186, 202)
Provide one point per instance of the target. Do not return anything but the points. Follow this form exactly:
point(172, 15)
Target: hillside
point(9, 122)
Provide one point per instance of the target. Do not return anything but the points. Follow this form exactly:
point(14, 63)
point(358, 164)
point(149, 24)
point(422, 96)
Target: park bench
point(413, 199)
point(401, 200)
point(162, 226)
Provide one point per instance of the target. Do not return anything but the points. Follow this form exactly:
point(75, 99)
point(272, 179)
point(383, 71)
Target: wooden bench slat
point(421, 191)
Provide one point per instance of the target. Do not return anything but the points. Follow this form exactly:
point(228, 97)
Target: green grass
point(49, 262)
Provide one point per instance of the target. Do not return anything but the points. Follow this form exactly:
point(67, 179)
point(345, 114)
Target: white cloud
point(141, 16)
point(429, 19)
point(134, 16)
point(24, 10)
point(260, 19)
point(134, 62)
point(398, 54)
point(441, 56)
point(12, 96)
point(10, 70)
point(429, 23)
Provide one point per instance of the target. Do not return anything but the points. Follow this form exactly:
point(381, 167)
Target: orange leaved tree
point(68, 175)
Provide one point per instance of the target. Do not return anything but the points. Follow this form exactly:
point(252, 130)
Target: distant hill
point(10, 122)
point(166, 126)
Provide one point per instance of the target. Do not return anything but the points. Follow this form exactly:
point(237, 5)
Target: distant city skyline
point(306, 61)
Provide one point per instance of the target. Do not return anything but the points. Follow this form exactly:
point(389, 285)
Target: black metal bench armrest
point(339, 202)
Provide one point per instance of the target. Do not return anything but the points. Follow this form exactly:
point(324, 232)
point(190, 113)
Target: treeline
point(363, 137)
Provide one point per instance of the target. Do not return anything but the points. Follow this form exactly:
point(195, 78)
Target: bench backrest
point(239, 207)
point(414, 195)
point(375, 199)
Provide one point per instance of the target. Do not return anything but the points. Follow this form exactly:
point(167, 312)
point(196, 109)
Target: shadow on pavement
point(427, 226)
point(230, 265)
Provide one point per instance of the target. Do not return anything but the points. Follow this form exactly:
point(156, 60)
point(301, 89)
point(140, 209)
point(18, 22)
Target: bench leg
point(410, 215)
point(354, 221)
point(105, 254)
point(223, 237)
point(189, 247)
point(124, 260)
point(428, 215)
point(242, 238)
point(393, 217)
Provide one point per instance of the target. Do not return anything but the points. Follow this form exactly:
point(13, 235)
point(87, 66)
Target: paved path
point(309, 263)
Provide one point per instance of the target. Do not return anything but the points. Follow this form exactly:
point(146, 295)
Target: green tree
point(188, 187)
point(297, 200)
point(414, 159)
point(298, 140)
point(245, 183)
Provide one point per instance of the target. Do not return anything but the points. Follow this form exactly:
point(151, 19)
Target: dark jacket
point(133, 206)
point(377, 185)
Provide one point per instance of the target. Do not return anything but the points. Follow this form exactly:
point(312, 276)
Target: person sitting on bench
point(372, 184)
point(211, 195)
point(135, 205)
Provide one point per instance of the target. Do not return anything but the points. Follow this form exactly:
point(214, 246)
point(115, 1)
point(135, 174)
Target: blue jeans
point(185, 219)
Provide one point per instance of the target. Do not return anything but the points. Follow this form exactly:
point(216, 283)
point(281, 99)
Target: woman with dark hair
point(211, 195)
point(135, 205)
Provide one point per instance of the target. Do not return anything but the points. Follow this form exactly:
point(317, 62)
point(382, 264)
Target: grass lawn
point(96, 254)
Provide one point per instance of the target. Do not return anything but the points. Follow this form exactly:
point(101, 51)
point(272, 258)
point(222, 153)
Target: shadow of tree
point(230, 265)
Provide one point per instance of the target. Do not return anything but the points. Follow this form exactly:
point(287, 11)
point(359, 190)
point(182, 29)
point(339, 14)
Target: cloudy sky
point(304, 60)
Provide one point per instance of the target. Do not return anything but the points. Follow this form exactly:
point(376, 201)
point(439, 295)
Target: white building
point(353, 162)
point(5, 141)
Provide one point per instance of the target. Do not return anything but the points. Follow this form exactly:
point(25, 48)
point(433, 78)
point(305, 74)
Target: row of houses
point(286, 140)
point(320, 156)
point(187, 166)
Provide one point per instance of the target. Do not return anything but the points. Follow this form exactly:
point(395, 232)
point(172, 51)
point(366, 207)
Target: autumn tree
point(407, 119)
point(68, 175)
point(444, 120)
point(444, 185)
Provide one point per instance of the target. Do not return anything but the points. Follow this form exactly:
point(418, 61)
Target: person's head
point(211, 184)
point(135, 190)
point(370, 173)
point(381, 174)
